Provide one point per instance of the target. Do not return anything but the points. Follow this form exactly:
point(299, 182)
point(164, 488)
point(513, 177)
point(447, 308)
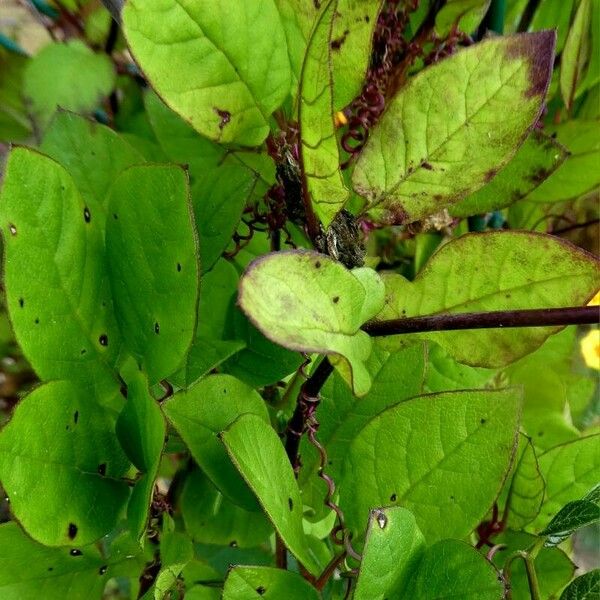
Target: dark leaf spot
point(224, 115)
point(482, 420)
point(233, 544)
point(37, 321)
point(291, 503)
point(87, 216)
point(83, 351)
point(156, 328)
point(50, 568)
point(103, 339)
point(21, 302)
point(178, 268)
point(393, 498)
point(490, 175)
point(102, 570)
point(426, 165)
point(337, 43)
point(260, 590)
point(115, 216)
point(102, 469)
point(336, 299)
point(75, 552)
point(318, 264)
point(72, 532)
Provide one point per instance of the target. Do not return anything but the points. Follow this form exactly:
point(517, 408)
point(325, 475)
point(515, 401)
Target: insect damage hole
point(87, 215)
point(72, 532)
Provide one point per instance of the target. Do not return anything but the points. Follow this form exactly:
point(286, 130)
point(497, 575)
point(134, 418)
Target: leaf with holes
point(59, 456)
point(319, 148)
point(454, 126)
point(152, 252)
point(256, 451)
point(522, 270)
point(419, 454)
point(204, 410)
point(394, 547)
point(243, 583)
point(238, 69)
point(56, 281)
point(307, 302)
point(31, 571)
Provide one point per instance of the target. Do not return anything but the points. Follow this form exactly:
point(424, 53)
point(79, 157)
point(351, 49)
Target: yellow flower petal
point(590, 348)
point(340, 119)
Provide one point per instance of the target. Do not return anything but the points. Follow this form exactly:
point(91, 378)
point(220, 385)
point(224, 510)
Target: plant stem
point(539, 317)
point(532, 580)
point(329, 570)
point(576, 226)
point(308, 392)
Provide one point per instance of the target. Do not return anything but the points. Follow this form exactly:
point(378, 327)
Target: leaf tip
point(538, 50)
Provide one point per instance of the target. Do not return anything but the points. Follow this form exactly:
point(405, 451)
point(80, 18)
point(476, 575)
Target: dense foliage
point(284, 293)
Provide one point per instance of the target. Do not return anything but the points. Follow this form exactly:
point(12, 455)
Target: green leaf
point(553, 567)
point(56, 281)
point(586, 587)
point(578, 175)
point(141, 430)
point(576, 53)
point(220, 182)
point(257, 452)
point(152, 251)
point(393, 549)
point(59, 456)
point(354, 23)
point(94, 155)
point(454, 569)
point(320, 154)
point(233, 68)
point(210, 518)
point(261, 362)
point(307, 302)
point(244, 583)
point(569, 470)
point(569, 519)
point(31, 571)
point(522, 270)
point(445, 374)
point(553, 15)
point(396, 377)
point(454, 126)
point(442, 456)
point(526, 491)
point(176, 551)
point(204, 410)
point(535, 161)
point(465, 15)
point(15, 124)
point(68, 75)
point(546, 409)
